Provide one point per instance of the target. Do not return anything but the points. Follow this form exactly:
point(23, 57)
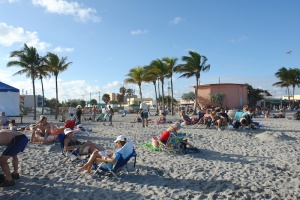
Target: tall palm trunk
point(163, 95)
point(34, 99)
point(43, 96)
point(140, 88)
point(294, 95)
point(196, 94)
point(154, 83)
point(172, 109)
point(159, 103)
point(56, 102)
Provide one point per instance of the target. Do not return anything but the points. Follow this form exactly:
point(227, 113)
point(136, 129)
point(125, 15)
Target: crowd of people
point(46, 131)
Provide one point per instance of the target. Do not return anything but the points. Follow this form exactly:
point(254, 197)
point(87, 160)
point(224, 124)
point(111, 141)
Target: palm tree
point(56, 66)
point(152, 77)
point(160, 68)
point(171, 64)
point(136, 76)
point(294, 79)
point(283, 75)
point(42, 72)
point(195, 64)
point(29, 61)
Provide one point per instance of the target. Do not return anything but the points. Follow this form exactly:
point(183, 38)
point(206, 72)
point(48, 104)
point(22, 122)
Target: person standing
point(94, 113)
point(71, 111)
point(110, 113)
point(78, 115)
point(144, 113)
point(16, 143)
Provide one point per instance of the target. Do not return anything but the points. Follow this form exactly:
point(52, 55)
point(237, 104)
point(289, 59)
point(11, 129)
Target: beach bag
point(155, 142)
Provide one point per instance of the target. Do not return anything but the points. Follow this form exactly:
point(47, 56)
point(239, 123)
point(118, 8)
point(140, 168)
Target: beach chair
point(173, 144)
point(123, 155)
point(72, 154)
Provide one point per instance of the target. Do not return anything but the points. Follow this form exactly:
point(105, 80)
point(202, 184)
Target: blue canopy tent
point(9, 99)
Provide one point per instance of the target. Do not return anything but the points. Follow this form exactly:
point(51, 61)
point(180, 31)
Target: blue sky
point(244, 41)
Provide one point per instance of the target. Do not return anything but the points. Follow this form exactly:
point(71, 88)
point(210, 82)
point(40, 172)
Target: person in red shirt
point(166, 134)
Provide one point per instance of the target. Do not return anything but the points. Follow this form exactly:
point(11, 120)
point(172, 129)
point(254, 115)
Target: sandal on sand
point(7, 183)
point(15, 176)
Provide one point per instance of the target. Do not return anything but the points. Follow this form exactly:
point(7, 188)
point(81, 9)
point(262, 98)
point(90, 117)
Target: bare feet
point(82, 169)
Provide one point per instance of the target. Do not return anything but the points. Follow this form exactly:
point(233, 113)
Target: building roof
point(215, 84)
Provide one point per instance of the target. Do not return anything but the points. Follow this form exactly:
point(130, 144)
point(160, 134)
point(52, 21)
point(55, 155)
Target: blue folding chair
point(70, 153)
point(123, 156)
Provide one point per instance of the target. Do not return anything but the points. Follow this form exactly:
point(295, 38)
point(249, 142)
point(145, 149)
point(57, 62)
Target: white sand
point(256, 164)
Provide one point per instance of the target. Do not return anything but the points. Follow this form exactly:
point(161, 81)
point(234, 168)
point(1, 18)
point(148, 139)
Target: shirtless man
point(43, 128)
point(94, 113)
point(205, 118)
point(16, 143)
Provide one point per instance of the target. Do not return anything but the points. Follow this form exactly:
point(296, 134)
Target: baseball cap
point(177, 125)
point(67, 131)
point(120, 138)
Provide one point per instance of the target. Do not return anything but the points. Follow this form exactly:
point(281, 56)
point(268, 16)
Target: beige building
point(113, 96)
point(235, 94)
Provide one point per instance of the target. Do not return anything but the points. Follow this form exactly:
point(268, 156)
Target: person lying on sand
point(43, 129)
point(102, 156)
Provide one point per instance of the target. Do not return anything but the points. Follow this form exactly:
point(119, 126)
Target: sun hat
point(177, 125)
point(79, 126)
point(120, 138)
point(67, 131)
point(79, 106)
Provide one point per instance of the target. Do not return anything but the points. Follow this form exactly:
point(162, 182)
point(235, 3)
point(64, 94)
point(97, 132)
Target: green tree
point(283, 75)
point(106, 98)
point(190, 96)
point(217, 98)
point(129, 92)
point(56, 66)
point(42, 72)
point(28, 60)
point(82, 103)
point(122, 91)
point(120, 99)
point(161, 69)
point(194, 65)
point(136, 76)
point(170, 64)
point(93, 102)
point(254, 95)
point(152, 77)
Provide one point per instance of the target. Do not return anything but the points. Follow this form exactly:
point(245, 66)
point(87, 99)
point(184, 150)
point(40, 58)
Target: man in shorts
point(144, 113)
point(16, 143)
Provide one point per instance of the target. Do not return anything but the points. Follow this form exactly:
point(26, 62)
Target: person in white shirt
point(144, 113)
point(71, 111)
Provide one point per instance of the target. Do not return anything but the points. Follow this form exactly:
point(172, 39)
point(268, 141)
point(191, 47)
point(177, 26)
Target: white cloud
point(139, 32)
point(10, 35)
point(237, 40)
point(63, 49)
point(64, 7)
point(176, 20)
point(14, 1)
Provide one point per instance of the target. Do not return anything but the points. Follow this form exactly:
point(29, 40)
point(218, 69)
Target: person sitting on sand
point(4, 120)
point(102, 156)
point(84, 147)
point(186, 120)
point(62, 117)
point(43, 129)
point(13, 125)
point(205, 118)
point(218, 118)
point(281, 114)
point(164, 137)
point(296, 116)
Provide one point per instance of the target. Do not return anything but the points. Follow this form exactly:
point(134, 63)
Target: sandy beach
point(231, 164)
